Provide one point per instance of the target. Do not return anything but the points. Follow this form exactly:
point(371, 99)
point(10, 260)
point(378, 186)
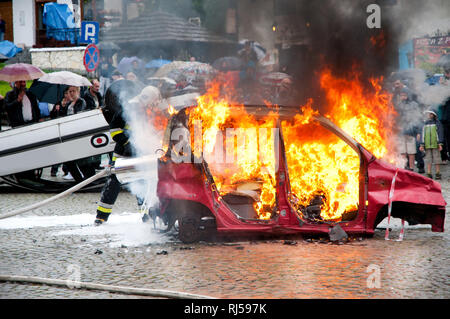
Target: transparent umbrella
point(126, 64)
point(167, 68)
point(66, 78)
point(195, 73)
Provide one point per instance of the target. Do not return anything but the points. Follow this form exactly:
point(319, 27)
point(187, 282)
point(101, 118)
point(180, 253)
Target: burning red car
point(292, 185)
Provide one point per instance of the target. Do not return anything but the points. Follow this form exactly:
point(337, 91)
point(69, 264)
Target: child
point(432, 141)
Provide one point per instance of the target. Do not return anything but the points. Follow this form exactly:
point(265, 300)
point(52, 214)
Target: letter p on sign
point(89, 32)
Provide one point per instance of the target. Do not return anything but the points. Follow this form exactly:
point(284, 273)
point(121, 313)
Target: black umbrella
point(48, 92)
point(228, 63)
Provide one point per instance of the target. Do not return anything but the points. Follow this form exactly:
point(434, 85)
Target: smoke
point(416, 18)
point(430, 96)
point(338, 37)
point(146, 140)
point(341, 40)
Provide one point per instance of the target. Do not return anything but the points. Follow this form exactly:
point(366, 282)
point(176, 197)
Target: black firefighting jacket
point(120, 133)
point(119, 92)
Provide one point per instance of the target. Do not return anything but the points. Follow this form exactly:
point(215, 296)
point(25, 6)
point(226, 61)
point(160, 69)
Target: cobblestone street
point(50, 241)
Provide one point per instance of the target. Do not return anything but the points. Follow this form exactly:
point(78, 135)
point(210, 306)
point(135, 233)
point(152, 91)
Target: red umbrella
point(20, 72)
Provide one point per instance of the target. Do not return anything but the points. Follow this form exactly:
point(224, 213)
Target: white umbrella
point(65, 77)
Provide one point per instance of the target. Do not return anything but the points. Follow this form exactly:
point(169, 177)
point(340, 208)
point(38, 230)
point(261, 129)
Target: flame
point(319, 163)
point(323, 165)
point(237, 147)
point(171, 110)
point(379, 40)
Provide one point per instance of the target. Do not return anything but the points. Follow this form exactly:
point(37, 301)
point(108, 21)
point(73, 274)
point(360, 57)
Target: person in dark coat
point(71, 103)
point(21, 105)
point(93, 97)
point(116, 97)
point(76, 104)
point(60, 105)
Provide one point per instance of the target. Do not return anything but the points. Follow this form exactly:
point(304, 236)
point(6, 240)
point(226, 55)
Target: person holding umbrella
point(58, 108)
point(50, 88)
point(71, 103)
point(21, 105)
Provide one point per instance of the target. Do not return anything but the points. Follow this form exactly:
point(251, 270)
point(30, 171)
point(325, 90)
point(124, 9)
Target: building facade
point(24, 19)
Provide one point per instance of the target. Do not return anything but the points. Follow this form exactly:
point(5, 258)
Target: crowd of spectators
point(22, 108)
point(424, 128)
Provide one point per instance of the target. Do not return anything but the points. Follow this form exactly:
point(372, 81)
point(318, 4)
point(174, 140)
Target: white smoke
point(122, 230)
point(147, 141)
point(421, 18)
point(431, 96)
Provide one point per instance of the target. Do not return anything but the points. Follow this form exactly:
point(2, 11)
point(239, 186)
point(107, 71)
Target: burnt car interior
point(307, 169)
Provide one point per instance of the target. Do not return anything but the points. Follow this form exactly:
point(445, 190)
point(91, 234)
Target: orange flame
point(171, 110)
point(319, 163)
point(323, 165)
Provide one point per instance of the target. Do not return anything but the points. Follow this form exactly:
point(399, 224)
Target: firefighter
point(115, 97)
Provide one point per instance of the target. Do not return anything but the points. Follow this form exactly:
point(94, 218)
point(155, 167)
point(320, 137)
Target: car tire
point(189, 228)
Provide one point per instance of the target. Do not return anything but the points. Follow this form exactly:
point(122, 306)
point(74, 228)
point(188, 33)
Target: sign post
point(91, 58)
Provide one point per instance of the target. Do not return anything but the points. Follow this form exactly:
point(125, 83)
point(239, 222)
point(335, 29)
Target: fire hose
point(126, 170)
point(92, 286)
point(57, 196)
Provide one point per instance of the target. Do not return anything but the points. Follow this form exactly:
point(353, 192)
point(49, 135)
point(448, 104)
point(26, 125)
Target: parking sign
point(89, 32)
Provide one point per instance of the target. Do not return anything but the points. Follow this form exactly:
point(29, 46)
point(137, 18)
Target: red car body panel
point(410, 187)
point(190, 182)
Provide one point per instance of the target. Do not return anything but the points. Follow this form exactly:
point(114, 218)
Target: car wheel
point(188, 228)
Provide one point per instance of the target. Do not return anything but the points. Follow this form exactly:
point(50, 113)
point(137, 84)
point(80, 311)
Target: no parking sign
point(91, 57)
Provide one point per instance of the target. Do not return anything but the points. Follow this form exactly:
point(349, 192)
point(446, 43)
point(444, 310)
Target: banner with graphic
point(429, 51)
